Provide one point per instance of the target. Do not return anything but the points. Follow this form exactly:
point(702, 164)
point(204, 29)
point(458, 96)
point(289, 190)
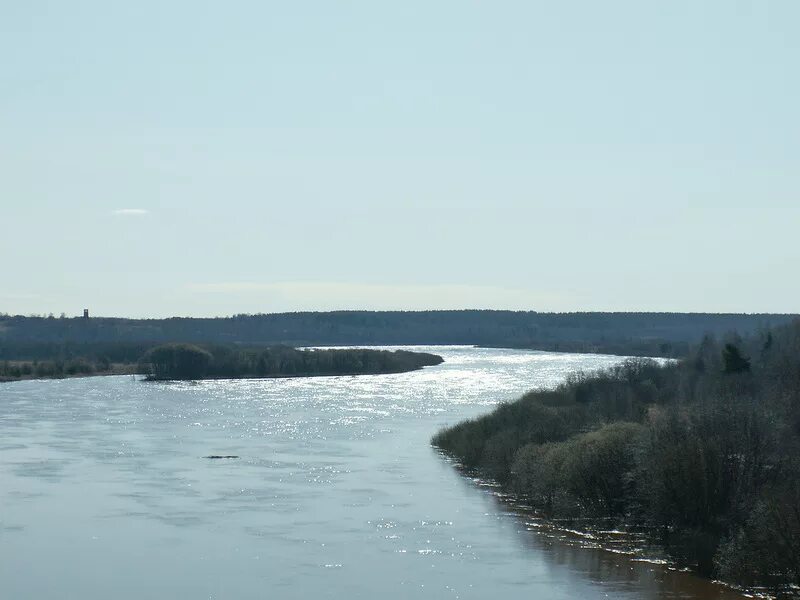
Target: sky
point(213, 158)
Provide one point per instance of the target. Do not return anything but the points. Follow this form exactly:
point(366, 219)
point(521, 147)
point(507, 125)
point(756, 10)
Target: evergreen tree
point(734, 360)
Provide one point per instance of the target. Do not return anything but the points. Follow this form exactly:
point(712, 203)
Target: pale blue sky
point(205, 158)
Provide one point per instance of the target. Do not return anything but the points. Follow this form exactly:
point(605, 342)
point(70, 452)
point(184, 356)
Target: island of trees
point(188, 361)
point(704, 453)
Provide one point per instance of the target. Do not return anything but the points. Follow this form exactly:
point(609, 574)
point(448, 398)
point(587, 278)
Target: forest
point(124, 340)
point(188, 361)
point(702, 454)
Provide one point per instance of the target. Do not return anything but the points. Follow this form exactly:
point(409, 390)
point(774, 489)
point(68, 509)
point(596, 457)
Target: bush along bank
point(704, 453)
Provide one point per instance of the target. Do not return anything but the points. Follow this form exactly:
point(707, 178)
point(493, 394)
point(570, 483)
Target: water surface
point(104, 491)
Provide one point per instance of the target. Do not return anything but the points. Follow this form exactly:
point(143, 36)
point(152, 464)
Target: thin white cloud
point(131, 212)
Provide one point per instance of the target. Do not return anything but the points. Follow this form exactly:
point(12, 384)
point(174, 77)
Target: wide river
point(105, 492)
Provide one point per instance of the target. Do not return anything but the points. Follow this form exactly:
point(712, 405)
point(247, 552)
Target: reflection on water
point(623, 563)
point(105, 491)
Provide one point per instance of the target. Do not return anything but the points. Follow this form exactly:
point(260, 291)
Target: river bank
point(19, 366)
point(700, 453)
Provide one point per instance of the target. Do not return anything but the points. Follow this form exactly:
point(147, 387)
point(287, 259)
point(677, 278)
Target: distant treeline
point(703, 453)
point(641, 334)
point(187, 361)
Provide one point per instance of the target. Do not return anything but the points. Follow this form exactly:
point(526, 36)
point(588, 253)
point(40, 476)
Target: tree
point(734, 361)
point(177, 361)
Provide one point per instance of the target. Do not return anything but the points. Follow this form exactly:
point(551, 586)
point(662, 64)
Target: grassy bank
point(703, 453)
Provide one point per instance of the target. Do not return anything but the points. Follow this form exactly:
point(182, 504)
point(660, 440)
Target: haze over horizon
point(198, 159)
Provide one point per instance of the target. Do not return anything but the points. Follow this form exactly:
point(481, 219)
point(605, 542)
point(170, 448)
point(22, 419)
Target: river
point(105, 492)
